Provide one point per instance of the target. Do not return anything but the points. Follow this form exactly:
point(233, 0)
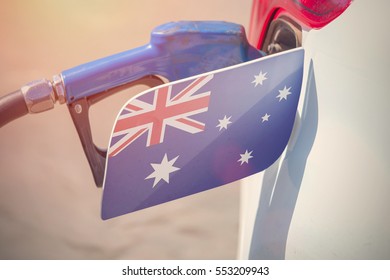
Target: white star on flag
point(224, 123)
point(259, 79)
point(162, 170)
point(245, 157)
point(284, 93)
point(265, 118)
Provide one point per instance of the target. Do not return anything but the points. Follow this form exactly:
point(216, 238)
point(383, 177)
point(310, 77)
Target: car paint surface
point(328, 196)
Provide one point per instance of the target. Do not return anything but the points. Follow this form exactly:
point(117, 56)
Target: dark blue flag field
point(200, 133)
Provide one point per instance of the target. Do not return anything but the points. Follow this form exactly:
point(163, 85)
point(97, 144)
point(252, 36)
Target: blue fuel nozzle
point(176, 50)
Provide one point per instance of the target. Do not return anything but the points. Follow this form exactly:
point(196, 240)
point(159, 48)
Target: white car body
point(328, 195)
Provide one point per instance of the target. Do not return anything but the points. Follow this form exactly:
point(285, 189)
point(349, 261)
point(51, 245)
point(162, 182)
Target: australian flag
point(202, 132)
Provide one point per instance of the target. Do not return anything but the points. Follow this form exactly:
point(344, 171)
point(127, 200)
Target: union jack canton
point(143, 117)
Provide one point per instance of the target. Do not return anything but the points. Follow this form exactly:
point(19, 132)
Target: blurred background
point(49, 205)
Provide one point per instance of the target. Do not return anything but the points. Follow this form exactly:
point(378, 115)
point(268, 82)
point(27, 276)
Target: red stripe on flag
point(189, 122)
point(159, 115)
point(133, 107)
point(190, 87)
point(127, 142)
